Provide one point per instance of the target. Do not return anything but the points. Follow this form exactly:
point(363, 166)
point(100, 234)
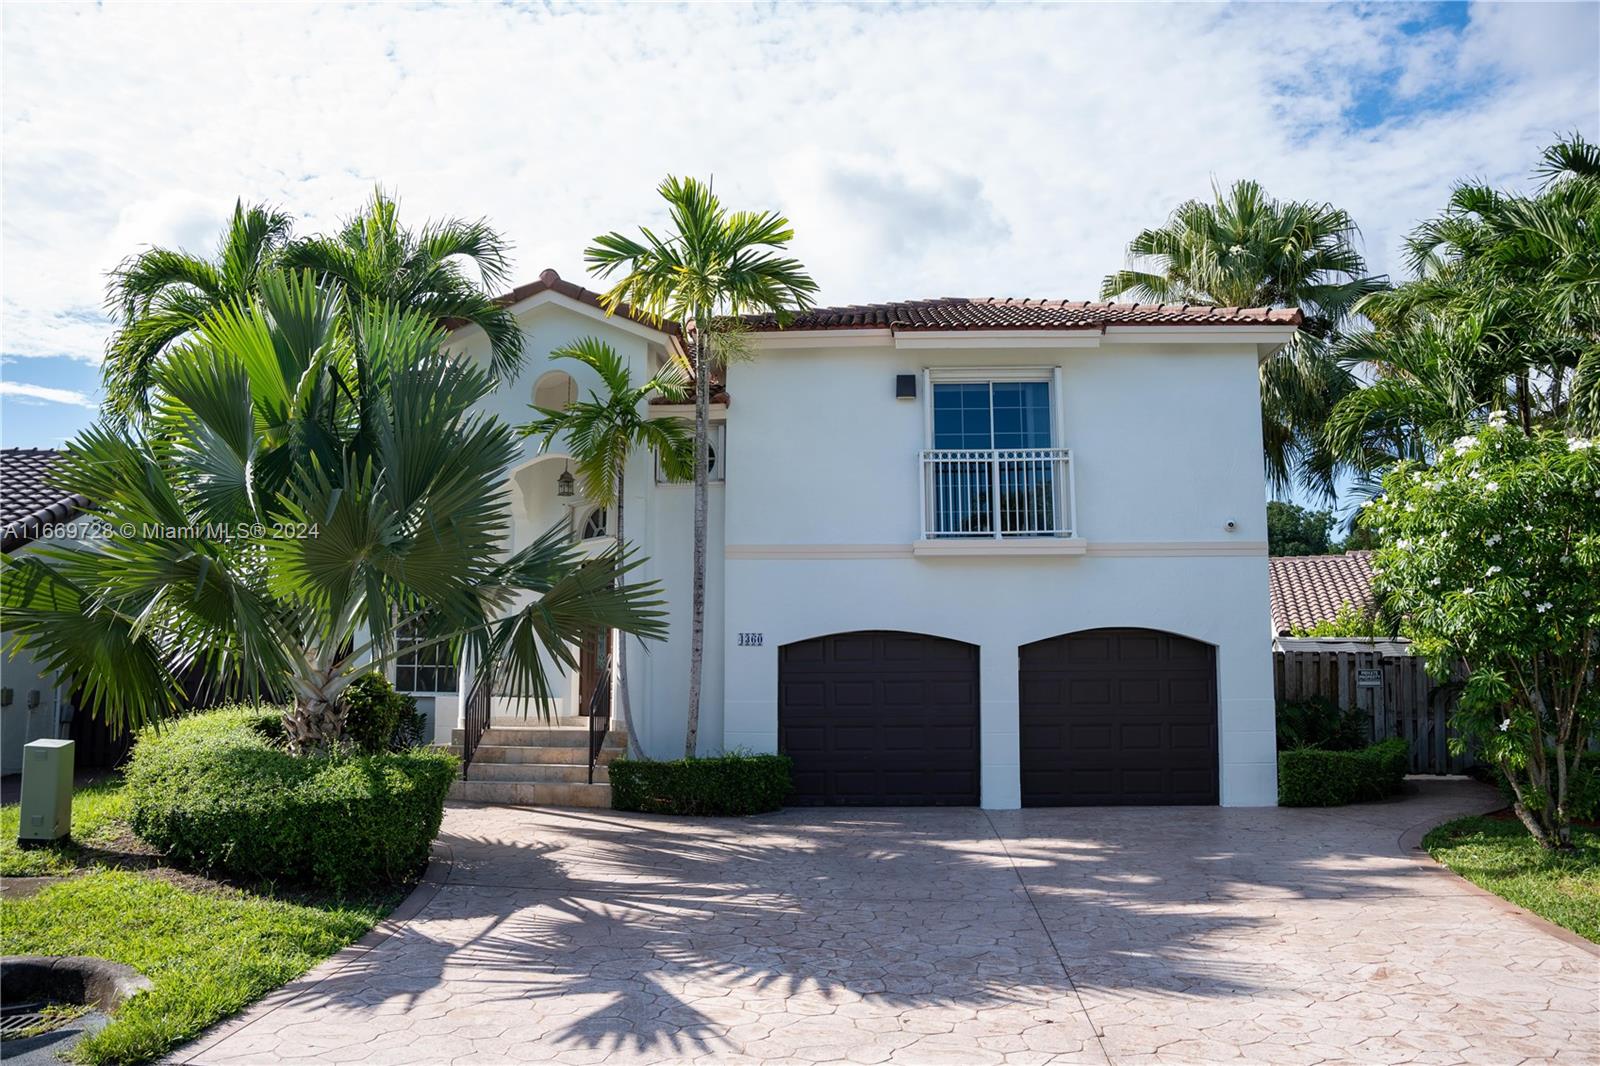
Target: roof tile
point(958, 313)
point(1307, 589)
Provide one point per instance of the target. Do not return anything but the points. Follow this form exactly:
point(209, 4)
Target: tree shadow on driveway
point(975, 936)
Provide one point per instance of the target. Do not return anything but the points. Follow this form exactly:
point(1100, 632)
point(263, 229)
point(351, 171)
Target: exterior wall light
point(564, 483)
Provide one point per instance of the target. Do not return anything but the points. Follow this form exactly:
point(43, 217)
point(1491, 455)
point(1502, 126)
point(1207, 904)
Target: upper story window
point(991, 414)
point(717, 437)
point(994, 469)
point(554, 390)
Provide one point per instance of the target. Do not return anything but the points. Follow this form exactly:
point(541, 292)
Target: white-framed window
point(717, 435)
point(595, 524)
point(992, 465)
point(423, 671)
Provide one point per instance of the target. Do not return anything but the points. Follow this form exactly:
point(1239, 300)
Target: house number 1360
point(750, 640)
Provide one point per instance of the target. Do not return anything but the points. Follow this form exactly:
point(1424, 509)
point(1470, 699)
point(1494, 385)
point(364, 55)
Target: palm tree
point(1245, 249)
point(1503, 313)
point(374, 259)
point(712, 265)
point(270, 528)
point(602, 432)
point(160, 296)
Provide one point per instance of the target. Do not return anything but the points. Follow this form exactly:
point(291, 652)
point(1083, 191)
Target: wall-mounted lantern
point(564, 484)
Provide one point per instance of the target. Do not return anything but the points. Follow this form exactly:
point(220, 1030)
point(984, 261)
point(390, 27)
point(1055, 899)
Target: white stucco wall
point(1166, 451)
point(812, 531)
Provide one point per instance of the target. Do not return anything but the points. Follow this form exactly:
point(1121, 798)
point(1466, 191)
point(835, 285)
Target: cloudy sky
point(920, 151)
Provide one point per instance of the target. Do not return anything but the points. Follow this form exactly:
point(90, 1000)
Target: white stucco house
point(962, 551)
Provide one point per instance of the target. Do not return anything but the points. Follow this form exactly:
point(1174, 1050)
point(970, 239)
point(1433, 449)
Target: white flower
point(1492, 540)
point(1463, 445)
point(1475, 474)
point(1493, 570)
point(1491, 486)
point(1579, 444)
point(1497, 419)
point(1467, 591)
point(1505, 725)
point(1411, 507)
point(1434, 583)
point(1402, 544)
point(1527, 529)
point(1543, 607)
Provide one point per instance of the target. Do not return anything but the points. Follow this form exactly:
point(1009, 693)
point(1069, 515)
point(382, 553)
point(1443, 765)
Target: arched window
point(554, 390)
point(595, 525)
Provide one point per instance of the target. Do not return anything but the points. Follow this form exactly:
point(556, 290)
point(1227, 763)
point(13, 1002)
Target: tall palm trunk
point(697, 624)
point(622, 638)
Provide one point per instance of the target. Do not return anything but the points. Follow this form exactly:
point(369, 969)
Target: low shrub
point(378, 718)
point(216, 792)
point(1314, 777)
point(721, 784)
point(1317, 723)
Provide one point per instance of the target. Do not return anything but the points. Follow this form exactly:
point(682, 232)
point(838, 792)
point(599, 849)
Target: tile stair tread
point(536, 772)
point(525, 794)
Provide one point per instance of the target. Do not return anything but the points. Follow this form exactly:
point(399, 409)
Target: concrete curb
point(1410, 845)
point(441, 863)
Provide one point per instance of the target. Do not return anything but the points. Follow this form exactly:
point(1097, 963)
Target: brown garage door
point(880, 718)
point(1113, 716)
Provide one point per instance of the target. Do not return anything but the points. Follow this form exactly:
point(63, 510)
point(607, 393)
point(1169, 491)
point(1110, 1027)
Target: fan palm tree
point(374, 259)
point(160, 296)
point(712, 265)
point(277, 532)
point(1243, 248)
point(602, 432)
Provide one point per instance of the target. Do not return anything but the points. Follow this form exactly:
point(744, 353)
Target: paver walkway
point(924, 936)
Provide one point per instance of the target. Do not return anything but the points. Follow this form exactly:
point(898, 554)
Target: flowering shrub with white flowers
point(1492, 558)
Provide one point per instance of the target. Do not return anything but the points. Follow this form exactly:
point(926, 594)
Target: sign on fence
point(1385, 682)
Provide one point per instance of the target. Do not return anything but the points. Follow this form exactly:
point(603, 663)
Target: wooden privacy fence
point(1385, 682)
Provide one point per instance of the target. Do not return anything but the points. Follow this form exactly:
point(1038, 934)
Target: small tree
point(1492, 558)
point(711, 264)
point(1294, 530)
point(602, 432)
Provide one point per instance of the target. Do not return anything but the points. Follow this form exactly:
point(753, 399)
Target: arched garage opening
point(880, 718)
point(1118, 716)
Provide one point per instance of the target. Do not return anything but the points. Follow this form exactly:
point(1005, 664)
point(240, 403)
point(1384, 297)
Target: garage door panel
point(1118, 716)
point(897, 714)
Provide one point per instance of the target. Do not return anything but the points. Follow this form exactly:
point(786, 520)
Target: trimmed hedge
point(1312, 777)
point(378, 718)
point(720, 784)
point(215, 792)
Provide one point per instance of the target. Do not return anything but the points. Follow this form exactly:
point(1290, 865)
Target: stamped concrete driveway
point(923, 936)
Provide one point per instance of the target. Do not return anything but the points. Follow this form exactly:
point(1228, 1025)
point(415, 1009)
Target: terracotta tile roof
point(1307, 589)
point(550, 281)
point(27, 499)
point(956, 312)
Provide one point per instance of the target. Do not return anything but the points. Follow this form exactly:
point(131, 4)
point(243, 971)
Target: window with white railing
point(994, 469)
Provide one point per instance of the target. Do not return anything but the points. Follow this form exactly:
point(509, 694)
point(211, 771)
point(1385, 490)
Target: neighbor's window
point(425, 670)
point(595, 524)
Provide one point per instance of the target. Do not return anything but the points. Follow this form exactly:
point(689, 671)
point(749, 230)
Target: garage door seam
point(1099, 1037)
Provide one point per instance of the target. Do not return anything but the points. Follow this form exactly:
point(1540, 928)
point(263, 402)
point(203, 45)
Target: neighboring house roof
point(1307, 589)
point(958, 313)
point(550, 281)
point(27, 499)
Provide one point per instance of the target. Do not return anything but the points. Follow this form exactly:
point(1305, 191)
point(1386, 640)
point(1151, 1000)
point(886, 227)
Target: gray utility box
point(46, 791)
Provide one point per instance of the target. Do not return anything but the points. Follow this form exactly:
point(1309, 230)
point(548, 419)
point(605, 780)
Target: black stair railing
point(599, 715)
point(480, 702)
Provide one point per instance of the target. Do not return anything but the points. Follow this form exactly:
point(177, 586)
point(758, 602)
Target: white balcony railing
point(1006, 492)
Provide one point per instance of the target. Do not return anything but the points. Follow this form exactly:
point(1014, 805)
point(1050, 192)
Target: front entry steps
point(547, 765)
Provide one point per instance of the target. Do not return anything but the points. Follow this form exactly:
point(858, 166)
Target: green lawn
point(96, 819)
point(1500, 856)
point(208, 949)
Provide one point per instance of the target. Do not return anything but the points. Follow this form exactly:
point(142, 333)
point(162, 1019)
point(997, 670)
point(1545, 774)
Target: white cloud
point(26, 393)
point(920, 151)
